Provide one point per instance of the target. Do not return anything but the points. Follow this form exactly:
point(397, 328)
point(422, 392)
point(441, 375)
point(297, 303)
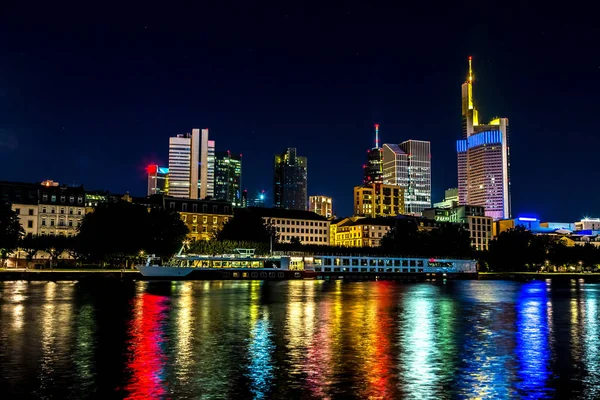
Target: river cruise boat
point(244, 264)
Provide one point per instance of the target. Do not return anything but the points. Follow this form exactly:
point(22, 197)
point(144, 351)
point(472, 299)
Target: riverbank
point(528, 276)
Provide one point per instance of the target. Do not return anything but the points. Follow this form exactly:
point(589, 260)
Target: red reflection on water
point(319, 365)
point(146, 356)
point(381, 361)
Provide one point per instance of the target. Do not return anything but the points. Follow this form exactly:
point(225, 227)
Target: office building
point(373, 167)
point(450, 199)
point(472, 217)
point(228, 178)
point(157, 179)
point(290, 183)
point(321, 205)
point(408, 165)
point(207, 167)
point(183, 165)
point(483, 159)
point(378, 200)
point(307, 226)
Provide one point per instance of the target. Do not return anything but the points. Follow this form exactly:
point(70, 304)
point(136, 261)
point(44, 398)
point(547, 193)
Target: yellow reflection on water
point(184, 317)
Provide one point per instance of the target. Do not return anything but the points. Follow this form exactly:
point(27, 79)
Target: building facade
point(450, 199)
point(183, 165)
point(408, 165)
point(157, 179)
point(483, 156)
point(473, 218)
point(307, 226)
point(204, 218)
point(61, 209)
point(321, 205)
point(228, 178)
point(361, 232)
point(588, 224)
point(378, 200)
point(290, 183)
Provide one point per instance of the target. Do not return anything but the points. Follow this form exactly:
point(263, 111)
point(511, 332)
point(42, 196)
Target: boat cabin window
point(372, 262)
point(364, 262)
point(327, 261)
point(405, 263)
point(345, 261)
point(318, 261)
point(413, 263)
point(396, 263)
point(354, 261)
point(272, 264)
point(419, 263)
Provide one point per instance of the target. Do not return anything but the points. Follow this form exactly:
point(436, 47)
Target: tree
point(166, 232)
point(11, 231)
point(247, 226)
point(31, 244)
point(118, 232)
point(55, 246)
point(511, 250)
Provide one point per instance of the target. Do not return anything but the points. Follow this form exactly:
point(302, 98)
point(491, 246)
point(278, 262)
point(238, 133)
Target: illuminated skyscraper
point(373, 167)
point(483, 159)
point(228, 178)
point(408, 165)
point(290, 183)
point(183, 165)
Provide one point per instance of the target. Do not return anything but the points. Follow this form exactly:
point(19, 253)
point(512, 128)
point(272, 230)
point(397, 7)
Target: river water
point(300, 339)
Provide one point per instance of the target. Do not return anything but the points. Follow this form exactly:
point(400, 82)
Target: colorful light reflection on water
point(302, 339)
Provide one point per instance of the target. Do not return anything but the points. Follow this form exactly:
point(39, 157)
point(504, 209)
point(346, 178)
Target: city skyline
point(121, 96)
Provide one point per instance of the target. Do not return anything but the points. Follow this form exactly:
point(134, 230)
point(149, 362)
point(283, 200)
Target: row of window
point(364, 262)
point(70, 223)
point(302, 230)
point(18, 211)
point(184, 208)
point(194, 219)
point(62, 210)
point(295, 222)
point(62, 199)
point(334, 269)
point(304, 239)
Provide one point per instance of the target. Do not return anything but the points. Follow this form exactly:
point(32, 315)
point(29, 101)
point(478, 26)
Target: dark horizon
point(92, 96)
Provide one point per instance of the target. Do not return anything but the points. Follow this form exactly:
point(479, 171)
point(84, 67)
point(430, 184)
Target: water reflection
point(147, 359)
point(532, 337)
point(302, 339)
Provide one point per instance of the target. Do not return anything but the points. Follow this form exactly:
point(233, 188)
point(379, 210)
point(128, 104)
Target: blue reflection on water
point(532, 337)
point(260, 353)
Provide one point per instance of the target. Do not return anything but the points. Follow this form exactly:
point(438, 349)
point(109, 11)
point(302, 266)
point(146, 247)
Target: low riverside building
point(473, 217)
point(307, 226)
point(204, 218)
point(24, 201)
point(61, 209)
point(361, 231)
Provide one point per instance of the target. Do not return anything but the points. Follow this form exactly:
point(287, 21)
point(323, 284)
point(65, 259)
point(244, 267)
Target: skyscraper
point(373, 167)
point(408, 165)
point(183, 165)
point(228, 177)
point(207, 166)
point(157, 179)
point(290, 183)
point(483, 159)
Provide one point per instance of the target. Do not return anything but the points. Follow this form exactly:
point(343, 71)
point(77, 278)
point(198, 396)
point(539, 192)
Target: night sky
point(91, 95)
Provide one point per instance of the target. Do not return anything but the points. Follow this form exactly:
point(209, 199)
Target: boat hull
point(182, 273)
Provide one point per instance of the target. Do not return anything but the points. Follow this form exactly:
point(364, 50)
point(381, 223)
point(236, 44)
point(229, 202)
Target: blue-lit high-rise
point(483, 159)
